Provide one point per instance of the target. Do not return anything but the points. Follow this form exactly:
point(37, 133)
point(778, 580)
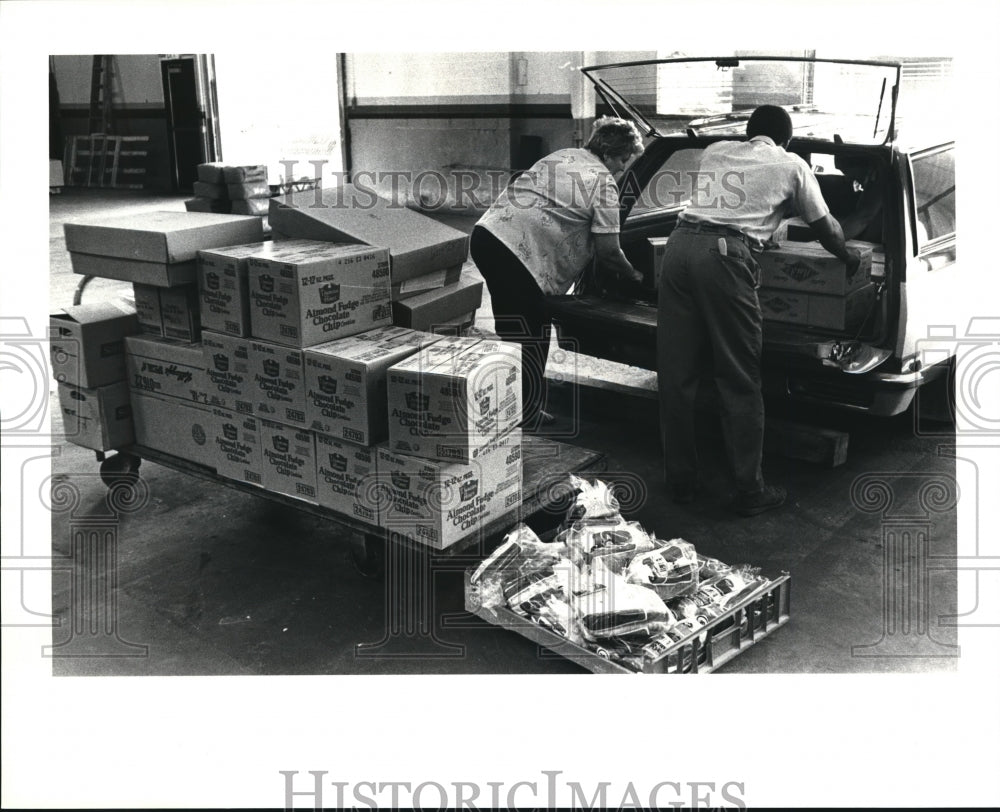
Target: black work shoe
point(684, 493)
point(750, 504)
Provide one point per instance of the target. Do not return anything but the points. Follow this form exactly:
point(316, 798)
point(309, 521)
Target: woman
point(540, 235)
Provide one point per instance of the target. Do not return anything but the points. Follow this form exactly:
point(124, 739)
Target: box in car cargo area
point(810, 268)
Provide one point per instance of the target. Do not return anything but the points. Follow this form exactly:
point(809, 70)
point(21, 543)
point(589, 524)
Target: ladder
point(100, 158)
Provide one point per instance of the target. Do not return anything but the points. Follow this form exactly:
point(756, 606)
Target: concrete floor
point(208, 580)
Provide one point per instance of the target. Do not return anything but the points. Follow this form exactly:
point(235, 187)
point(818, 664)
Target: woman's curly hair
point(615, 136)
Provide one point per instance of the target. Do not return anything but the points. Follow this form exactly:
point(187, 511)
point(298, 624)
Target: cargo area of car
point(619, 322)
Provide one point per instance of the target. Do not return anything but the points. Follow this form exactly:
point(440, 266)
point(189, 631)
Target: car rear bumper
point(882, 394)
point(626, 332)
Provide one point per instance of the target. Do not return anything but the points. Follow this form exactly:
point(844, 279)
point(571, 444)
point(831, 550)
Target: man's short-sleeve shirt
point(751, 185)
point(547, 214)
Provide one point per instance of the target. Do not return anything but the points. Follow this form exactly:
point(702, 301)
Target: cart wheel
point(120, 468)
point(368, 555)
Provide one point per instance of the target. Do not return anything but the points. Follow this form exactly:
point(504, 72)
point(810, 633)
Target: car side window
point(933, 174)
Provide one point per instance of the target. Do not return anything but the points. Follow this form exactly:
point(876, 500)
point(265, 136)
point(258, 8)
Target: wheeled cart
point(408, 568)
point(546, 466)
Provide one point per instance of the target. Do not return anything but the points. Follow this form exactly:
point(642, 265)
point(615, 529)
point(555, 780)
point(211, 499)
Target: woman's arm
point(611, 256)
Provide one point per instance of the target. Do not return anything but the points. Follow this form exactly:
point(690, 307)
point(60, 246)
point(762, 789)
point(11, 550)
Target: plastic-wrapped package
point(593, 501)
point(670, 569)
point(685, 628)
point(714, 597)
point(617, 607)
point(521, 553)
point(558, 616)
point(616, 542)
point(711, 568)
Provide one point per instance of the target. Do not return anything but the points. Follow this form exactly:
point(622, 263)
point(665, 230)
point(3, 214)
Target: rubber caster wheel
point(120, 469)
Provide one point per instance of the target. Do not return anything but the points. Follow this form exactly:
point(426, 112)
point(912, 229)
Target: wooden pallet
point(106, 161)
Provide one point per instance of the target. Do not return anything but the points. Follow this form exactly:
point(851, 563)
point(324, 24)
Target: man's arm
point(831, 237)
point(611, 256)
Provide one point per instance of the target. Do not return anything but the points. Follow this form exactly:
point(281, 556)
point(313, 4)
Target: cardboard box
point(436, 307)
point(439, 503)
point(222, 283)
point(249, 189)
point(345, 382)
point(426, 283)
point(841, 312)
point(166, 367)
point(147, 308)
point(210, 191)
point(99, 418)
point(417, 244)
point(204, 204)
point(810, 268)
point(160, 274)
point(256, 206)
point(277, 383)
point(236, 444)
point(174, 427)
point(445, 408)
point(179, 312)
point(346, 479)
point(87, 343)
point(784, 306)
point(228, 377)
point(304, 294)
point(211, 172)
point(160, 236)
point(241, 174)
point(288, 460)
point(793, 229)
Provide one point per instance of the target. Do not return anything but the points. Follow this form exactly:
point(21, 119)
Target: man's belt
point(702, 227)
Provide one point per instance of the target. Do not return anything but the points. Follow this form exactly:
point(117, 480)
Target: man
point(708, 310)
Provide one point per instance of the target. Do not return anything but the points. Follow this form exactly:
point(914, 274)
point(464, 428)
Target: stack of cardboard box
point(231, 189)
point(293, 378)
point(87, 347)
point(429, 289)
point(452, 461)
point(157, 252)
point(803, 284)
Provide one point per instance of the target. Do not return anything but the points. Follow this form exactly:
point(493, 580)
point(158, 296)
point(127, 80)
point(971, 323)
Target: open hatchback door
point(858, 354)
